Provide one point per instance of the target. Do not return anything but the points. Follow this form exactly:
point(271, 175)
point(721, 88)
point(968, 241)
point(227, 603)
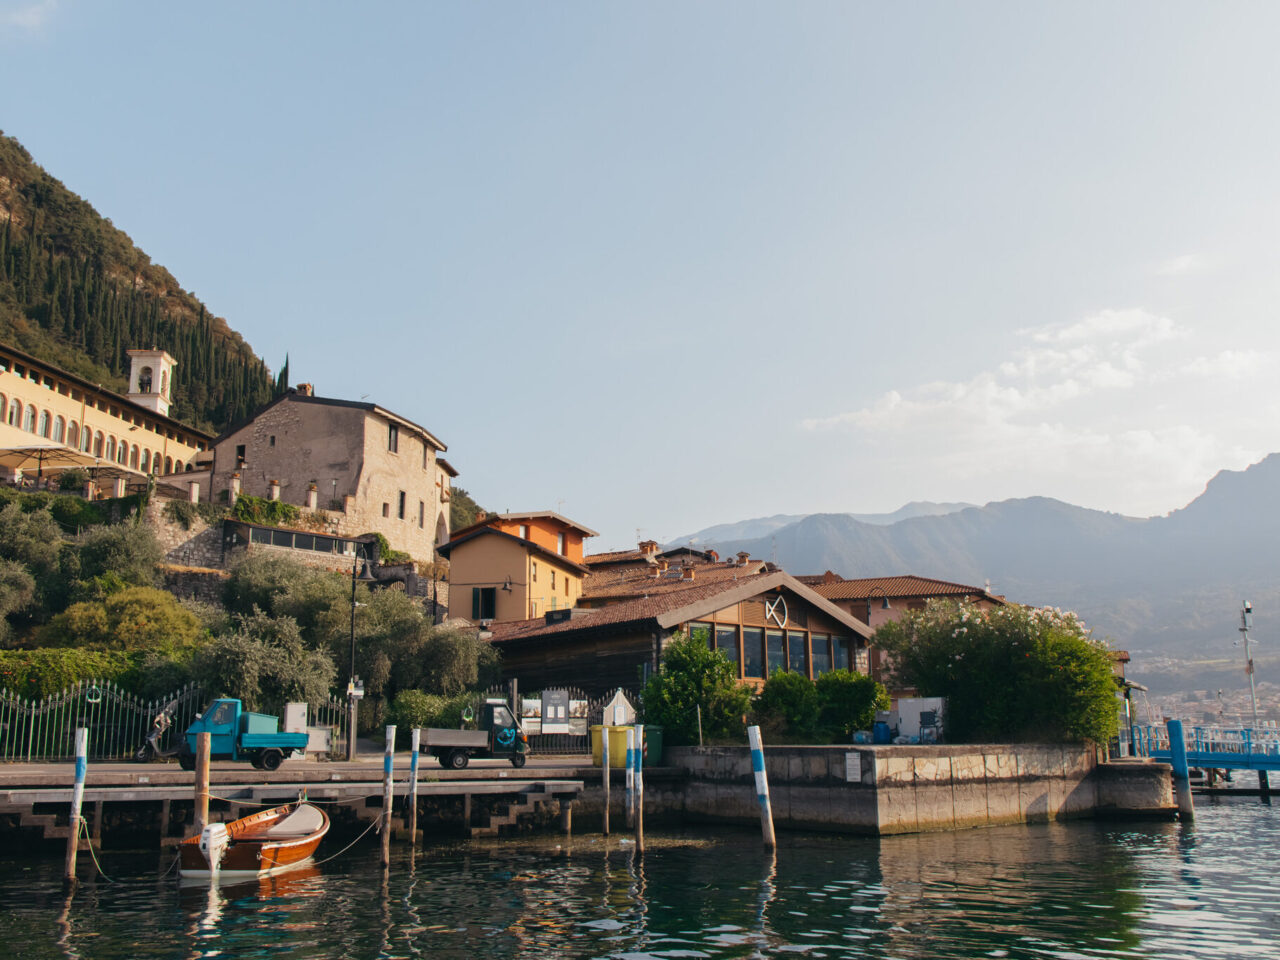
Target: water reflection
point(1078, 890)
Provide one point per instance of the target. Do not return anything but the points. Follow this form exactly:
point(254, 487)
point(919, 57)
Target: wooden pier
point(491, 800)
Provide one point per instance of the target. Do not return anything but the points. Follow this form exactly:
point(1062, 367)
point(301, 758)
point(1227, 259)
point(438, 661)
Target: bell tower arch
point(151, 379)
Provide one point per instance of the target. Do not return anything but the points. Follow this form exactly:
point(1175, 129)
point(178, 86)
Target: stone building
point(367, 469)
point(126, 437)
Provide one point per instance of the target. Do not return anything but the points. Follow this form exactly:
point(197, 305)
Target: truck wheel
point(186, 759)
point(270, 759)
point(517, 760)
point(457, 759)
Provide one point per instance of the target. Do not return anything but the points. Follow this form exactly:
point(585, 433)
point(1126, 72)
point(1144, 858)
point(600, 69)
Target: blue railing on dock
point(1220, 748)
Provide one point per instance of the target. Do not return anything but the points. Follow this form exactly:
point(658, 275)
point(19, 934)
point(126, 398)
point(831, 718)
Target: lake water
point(1081, 889)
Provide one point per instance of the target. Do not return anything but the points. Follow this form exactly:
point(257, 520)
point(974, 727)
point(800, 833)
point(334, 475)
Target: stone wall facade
point(199, 545)
point(204, 585)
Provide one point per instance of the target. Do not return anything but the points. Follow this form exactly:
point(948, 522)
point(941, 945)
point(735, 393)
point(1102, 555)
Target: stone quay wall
point(915, 789)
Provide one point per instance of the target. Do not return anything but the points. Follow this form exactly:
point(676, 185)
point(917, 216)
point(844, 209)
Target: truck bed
point(440, 737)
point(281, 741)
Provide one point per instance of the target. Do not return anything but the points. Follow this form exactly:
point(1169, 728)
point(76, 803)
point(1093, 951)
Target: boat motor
point(213, 844)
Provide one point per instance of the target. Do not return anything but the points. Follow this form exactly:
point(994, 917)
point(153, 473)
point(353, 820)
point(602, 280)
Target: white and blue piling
point(762, 785)
point(388, 794)
point(77, 800)
point(631, 779)
point(416, 742)
point(637, 752)
point(1181, 773)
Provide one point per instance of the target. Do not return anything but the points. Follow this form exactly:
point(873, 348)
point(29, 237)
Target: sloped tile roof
point(903, 586)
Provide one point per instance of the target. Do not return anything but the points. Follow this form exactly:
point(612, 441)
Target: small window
point(524, 531)
point(535, 571)
point(426, 455)
point(553, 579)
point(560, 544)
point(386, 509)
point(402, 505)
point(240, 455)
point(271, 440)
point(422, 514)
point(484, 603)
point(393, 438)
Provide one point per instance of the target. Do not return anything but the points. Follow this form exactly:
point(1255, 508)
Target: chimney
point(648, 548)
point(306, 390)
point(687, 573)
point(715, 557)
point(743, 558)
point(481, 515)
point(662, 566)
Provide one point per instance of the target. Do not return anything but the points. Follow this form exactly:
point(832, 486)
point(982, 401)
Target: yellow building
point(513, 566)
point(127, 436)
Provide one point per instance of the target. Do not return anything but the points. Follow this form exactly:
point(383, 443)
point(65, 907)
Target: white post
point(639, 757)
point(413, 787)
point(388, 795)
point(631, 778)
point(604, 763)
point(762, 785)
point(77, 799)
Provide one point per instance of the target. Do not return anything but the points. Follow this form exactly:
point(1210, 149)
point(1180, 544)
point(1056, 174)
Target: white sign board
point(555, 711)
point(853, 767)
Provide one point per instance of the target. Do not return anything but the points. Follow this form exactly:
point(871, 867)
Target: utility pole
point(1246, 623)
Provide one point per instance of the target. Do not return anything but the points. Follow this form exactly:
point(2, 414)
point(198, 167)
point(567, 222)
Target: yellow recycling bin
point(617, 745)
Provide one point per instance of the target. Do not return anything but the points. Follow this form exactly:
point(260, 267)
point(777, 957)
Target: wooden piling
point(416, 742)
point(77, 799)
point(762, 786)
point(639, 799)
point(200, 816)
point(604, 763)
point(566, 817)
point(1181, 774)
point(630, 809)
point(388, 794)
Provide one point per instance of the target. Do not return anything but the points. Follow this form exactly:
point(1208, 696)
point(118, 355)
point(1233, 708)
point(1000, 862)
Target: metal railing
point(332, 713)
point(1151, 740)
point(118, 722)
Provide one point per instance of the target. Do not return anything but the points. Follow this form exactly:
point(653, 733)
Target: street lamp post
point(1246, 623)
point(359, 573)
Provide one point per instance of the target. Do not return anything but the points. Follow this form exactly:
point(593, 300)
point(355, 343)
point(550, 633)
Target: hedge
point(38, 673)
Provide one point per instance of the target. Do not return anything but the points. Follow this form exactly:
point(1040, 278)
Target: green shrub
point(260, 510)
point(184, 512)
point(788, 706)
point(140, 619)
point(691, 676)
point(1009, 673)
point(42, 672)
point(385, 553)
point(73, 479)
point(848, 701)
point(417, 708)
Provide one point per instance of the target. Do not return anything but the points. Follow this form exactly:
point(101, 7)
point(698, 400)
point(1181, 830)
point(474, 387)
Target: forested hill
point(76, 292)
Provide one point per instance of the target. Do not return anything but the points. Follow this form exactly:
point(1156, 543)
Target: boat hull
point(254, 850)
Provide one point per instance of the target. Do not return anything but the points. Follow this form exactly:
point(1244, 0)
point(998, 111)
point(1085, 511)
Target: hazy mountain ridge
point(1161, 586)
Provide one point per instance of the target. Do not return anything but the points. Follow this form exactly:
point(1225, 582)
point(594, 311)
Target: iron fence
point(332, 715)
point(118, 722)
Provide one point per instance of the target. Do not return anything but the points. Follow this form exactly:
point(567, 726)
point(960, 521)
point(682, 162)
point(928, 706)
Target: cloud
point(1121, 409)
point(1177, 266)
point(26, 16)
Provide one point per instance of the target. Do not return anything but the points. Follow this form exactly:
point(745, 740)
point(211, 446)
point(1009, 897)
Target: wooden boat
point(263, 843)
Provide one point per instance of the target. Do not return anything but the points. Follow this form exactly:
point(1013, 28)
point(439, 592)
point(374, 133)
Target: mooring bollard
point(77, 799)
point(630, 812)
point(1181, 775)
point(388, 795)
point(413, 787)
point(639, 757)
point(762, 786)
point(204, 743)
point(604, 763)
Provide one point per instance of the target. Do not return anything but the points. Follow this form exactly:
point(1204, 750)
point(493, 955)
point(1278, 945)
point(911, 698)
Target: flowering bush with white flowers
point(1011, 673)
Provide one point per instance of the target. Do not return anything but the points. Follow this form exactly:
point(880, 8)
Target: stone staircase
point(530, 800)
point(46, 823)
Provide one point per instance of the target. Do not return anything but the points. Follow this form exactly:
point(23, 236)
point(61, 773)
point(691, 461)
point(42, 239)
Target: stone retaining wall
point(912, 789)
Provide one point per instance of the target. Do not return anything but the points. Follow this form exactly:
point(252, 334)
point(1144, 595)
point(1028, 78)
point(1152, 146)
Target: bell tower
point(151, 379)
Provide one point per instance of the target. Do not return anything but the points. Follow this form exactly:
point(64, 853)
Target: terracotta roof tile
point(904, 586)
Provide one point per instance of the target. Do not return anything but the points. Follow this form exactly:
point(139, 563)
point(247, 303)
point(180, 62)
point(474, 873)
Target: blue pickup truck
point(236, 734)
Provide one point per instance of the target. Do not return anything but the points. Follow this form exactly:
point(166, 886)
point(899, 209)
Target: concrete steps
point(530, 801)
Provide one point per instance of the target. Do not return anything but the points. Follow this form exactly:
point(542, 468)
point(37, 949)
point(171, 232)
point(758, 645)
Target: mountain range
point(1168, 589)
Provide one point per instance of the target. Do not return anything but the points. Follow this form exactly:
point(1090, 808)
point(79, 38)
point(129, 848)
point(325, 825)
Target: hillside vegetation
point(76, 292)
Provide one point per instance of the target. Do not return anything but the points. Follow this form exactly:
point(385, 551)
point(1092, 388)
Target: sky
point(659, 266)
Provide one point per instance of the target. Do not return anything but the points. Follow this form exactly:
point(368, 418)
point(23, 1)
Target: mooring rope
point(83, 829)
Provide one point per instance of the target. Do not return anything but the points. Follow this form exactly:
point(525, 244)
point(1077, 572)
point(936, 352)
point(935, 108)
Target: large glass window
point(840, 650)
point(701, 632)
point(752, 652)
point(727, 642)
point(777, 645)
point(820, 652)
point(796, 661)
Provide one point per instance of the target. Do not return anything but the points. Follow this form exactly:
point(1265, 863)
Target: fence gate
point(118, 722)
point(584, 713)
